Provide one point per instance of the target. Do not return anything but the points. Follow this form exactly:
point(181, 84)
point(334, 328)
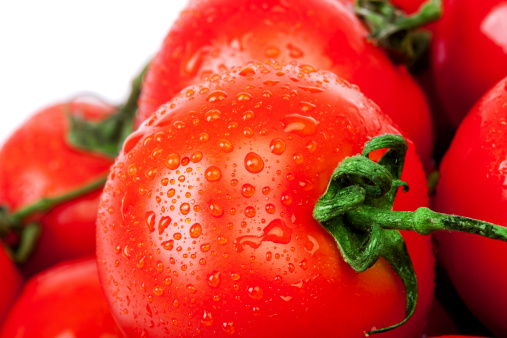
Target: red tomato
point(205, 225)
point(36, 162)
point(212, 36)
point(64, 301)
point(12, 283)
point(465, 71)
point(473, 183)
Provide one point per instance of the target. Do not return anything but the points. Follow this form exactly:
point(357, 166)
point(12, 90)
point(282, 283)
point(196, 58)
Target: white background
point(51, 50)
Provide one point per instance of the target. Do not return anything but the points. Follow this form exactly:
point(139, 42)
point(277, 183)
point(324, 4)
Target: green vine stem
point(357, 210)
point(397, 33)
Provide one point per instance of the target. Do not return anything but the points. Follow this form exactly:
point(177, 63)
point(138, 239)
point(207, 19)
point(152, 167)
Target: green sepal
point(106, 137)
point(396, 254)
point(399, 34)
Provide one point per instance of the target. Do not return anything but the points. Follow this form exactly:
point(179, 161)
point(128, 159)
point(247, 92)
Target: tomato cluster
point(261, 180)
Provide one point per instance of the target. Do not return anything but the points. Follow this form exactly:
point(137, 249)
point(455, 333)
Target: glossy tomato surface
point(205, 225)
point(213, 36)
point(64, 301)
point(11, 283)
point(469, 55)
point(36, 162)
point(473, 183)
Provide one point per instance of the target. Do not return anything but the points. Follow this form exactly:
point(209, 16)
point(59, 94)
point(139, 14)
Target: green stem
point(423, 221)
point(47, 203)
point(399, 34)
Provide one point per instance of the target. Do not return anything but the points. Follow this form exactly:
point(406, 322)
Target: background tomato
point(205, 225)
point(37, 162)
point(64, 301)
point(463, 72)
point(212, 36)
point(12, 283)
point(473, 183)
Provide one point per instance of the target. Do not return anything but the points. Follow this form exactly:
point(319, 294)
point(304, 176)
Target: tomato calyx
point(106, 137)
point(357, 210)
point(397, 33)
point(28, 234)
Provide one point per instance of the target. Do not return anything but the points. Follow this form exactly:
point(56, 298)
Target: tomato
point(465, 71)
point(12, 283)
point(36, 163)
point(212, 36)
point(66, 300)
point(205, 224)
point(472, 183)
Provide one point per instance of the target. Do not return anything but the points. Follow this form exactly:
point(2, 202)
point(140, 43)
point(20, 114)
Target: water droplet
point(228, 328)
point(164, 181)
point(196, 157)
point(207, 319)
point(277, 146)
point(247, 190)
point(272, 52)
point(158, 290)
point(266, 190)
point(291, 267)
point(255, 292)
point(225, 145)
point(304, 264)
point(221, 239)
point(235, 276)
point(244, 96)
point(270, 82)
point(250, 211)
point(216, 96)
point(171, 192)
point(254, 163)
point(213, 174)
point(276, 231)
point(195, 230)
point(247, 71)
point(205, 247)
point(248, 132)
point(140, 262)
point(163, 224)
point(299, 124)
point(132, 169)
point(215, 209)
point(270, 208)
point(168, 245)
point(286, 199)
point(172, 161)
point(311, 146)
point(191, 288)
point(298, 158)
point(213, 115)
point(307, 106)
point(248, 115)
point(203, 137)
point(150, 221)
point(185, 208)
point(234, 182)
point(214, 279)
point(294, 52)
point(150, 173)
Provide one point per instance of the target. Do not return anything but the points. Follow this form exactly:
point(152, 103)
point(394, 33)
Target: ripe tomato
point(212, 36)
point(465, 71)
point(36, 162)
point(64, 301)
point(205, 225)
point(473, 183)
point(12, 283)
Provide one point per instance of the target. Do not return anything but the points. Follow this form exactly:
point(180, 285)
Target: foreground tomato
point(465, 71)
point(64, 301)
point(205, 225)
point(212, 36)
point(37, 163)
point(473, 183)
point(12, 283)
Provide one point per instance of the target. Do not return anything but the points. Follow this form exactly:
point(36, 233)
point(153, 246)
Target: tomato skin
point(64, 300)
point(465, 71)
point(472, 183)
point(212, 36)
point(37, 162)
point(12, 283)
point(196, 236)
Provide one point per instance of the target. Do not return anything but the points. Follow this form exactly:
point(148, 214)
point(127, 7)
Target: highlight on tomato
point(213, 36)
point(473, 177)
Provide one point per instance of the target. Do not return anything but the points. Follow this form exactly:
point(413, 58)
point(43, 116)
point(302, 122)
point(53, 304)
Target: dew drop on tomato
point(216, 96)
point(195, 230)
point(247, 190)
point(254, 163)
point(150, 221)
point(228, 328)
point(172, 161)
point(163, 224)
point(207, 318)
point(255, 292)
point(213, 115)
point(244, 96)
point(250, 212)
point(277, 146)
point(299, 124)
point(214, 279)
point(213, 174)
point(225, 145)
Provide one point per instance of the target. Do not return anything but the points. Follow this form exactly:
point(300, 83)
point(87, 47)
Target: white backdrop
point(53, 49)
